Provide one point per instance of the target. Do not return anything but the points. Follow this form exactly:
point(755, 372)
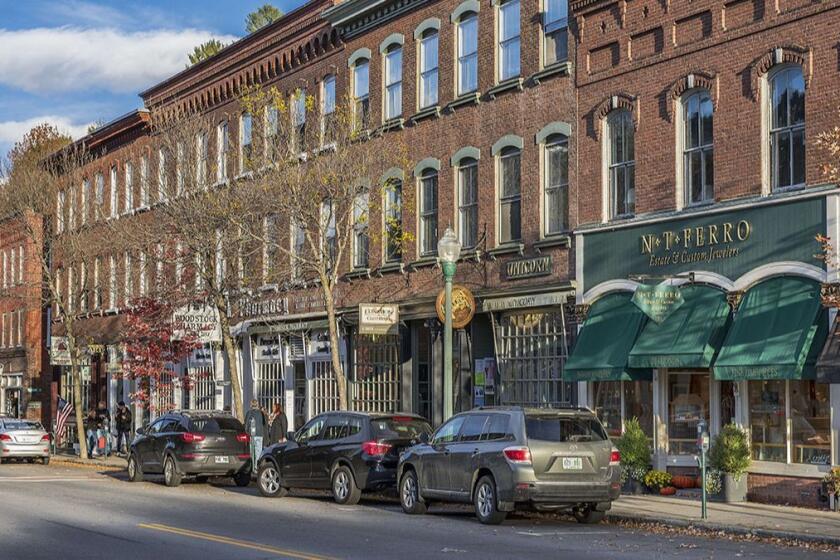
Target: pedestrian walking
point(256, 424)
point(91, 427)
point(279, 425)
point(103, 434)
point(122, 418)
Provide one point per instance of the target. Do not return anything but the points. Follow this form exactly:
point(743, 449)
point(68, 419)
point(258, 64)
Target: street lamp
point(449, 249)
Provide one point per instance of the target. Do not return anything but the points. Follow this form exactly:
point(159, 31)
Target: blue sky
point(74, 62)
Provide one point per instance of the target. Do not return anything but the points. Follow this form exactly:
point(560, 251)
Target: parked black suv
point(502, 458)
point(347, 452)
point(199, 444)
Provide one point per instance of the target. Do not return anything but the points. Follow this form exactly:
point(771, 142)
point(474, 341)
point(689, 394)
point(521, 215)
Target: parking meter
point(703, 445)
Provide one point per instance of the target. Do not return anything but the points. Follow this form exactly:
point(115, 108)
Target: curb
point(712, 527)
point(82, 463)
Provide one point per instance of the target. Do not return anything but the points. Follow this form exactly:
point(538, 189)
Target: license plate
point(29, 440)
point(572, 463)
point(222, 459)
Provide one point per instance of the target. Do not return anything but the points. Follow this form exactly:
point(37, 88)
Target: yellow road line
point(232, 542)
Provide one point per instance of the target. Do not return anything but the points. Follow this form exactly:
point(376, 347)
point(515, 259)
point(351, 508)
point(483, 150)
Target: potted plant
point(831, 484)
point(635, 456)
point(730, 454)
point(657, 480)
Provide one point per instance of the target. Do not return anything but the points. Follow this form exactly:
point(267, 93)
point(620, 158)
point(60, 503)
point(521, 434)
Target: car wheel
point(135, 472)
point(344, 489)
point(486, 503)
point(269, 482)
point(243, 477)
point(45, 460)
point(410, 499)
point(588, 516)
point(171, 476)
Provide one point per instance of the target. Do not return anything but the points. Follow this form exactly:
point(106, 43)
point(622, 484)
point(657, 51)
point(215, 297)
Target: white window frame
point(83, 206)
point(83, 300)
point(427, 247)
point(246, 141)
point(162, 179)
point(393, 210)
point(559, 141)
point(112, 282)
point(97, 288)
point(20, 264)
point(504, 43)
point(114, 176)
point(202, 150)
point(329, 233)
point(12, 267)
point(144, 181)
point(466, 58)
point(128, 291)
point(328, 106)
point(128, 188)
point(20, 327)
point(99, 180)
point(297, 240)
point(772, 132)
point(180, 171)
point(60, 204)
point(361, 98)
point(298, 118)
point(361, 230)
point(610, 167)
point(428, 73)
point(392, 89)
point(219, 259)
point(143, 286)
point(71, 209)
point(462, 207)
point(683, 181)
point(553, 23)
point(222, 148)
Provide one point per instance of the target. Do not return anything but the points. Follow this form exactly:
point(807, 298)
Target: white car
point(23, 439)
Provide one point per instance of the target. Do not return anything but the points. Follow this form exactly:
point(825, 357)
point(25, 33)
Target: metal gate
point(163, 392)
point(269, 381)
point(376, 380)
point(324, 388)
point(202, 378)
point(532, 348)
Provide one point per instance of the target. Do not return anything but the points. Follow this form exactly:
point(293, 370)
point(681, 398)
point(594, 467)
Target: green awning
point(689, 337)
point(777, 332)
point(602, 346)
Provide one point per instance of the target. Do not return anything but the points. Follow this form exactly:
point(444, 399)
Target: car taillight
point(243, 437)
point(375, 448)
point(243, 456)
point(402, 418)
point(5, 437)
point(191, 437)
point(188, 456)
point(615, 457)
point(45, 437)
point(518, 454)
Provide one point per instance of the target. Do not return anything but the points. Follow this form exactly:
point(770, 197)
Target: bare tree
point(44, 182)
point(314, 186)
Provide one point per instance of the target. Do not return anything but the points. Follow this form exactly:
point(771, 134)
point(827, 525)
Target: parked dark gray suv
point(503, 458)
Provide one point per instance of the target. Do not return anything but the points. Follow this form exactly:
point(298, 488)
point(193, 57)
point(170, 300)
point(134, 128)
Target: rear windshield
point(216, 425)
point(22, 425)
point(564, 429)
point(399, 427)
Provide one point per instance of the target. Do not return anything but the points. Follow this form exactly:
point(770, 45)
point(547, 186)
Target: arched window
point(361, 93)
point(622, 163)
point(509, 34)
point(555, 29)
point(787, 127)
point(698, 147)
point(393, 220)
point(428, 211)
point(467, 38)
point(361, 236)
point(468, 201)
point(556, 184)
point(510, 195)
point(393, 81)
point(429, 68)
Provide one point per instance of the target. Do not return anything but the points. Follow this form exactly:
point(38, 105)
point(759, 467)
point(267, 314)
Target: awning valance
point(689, 337)
point(602, 347)
point(777, 332)
point(828, 363)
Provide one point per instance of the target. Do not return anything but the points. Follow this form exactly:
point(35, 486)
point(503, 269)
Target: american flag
point(61, 416)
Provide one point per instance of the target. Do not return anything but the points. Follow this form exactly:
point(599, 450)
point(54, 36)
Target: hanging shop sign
point(271, 306)
point(463, 306)
point(59, 351)
point(198, 321)
point(379, 318)
point(658, 302)
point(528, 268)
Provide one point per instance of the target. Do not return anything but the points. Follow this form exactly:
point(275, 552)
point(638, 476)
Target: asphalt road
point(61, 512)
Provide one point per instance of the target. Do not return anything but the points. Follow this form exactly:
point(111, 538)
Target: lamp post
point(449, 249)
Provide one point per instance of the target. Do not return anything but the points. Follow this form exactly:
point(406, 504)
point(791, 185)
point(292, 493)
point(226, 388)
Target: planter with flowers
point(657, 481)
point(635, 457)
point(831, 486)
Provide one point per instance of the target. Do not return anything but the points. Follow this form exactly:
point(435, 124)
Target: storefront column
point(583, 394)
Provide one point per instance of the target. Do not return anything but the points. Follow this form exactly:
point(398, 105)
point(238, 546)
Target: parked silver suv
point(501, 458)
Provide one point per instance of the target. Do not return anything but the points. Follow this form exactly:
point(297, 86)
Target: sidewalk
point(747, 518)
point(112, 463)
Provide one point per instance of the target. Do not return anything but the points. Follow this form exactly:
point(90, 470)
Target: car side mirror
point(424, 437)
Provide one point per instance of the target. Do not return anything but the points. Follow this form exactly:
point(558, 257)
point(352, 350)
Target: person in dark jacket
point(256, 426)
point(103, 415)
point(122, 419)
point(91, 427)
point(279, 425)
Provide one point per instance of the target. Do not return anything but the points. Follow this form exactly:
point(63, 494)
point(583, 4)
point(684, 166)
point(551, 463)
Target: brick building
point(698, 121)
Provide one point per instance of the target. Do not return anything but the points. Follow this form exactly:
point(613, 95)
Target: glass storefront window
point(688, 403)
point(810, 416)
point(638, 403)
point(608, 405)
point(767, 420)
point(727, 402)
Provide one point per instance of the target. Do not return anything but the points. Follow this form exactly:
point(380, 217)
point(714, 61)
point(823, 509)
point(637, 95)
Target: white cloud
point(64, 59)
point(12, 131)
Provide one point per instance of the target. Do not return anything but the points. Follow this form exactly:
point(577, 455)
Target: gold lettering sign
point(463, 306)
point(691, 245)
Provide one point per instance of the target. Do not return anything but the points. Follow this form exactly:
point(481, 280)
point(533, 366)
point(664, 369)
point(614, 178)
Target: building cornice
point(354, 17)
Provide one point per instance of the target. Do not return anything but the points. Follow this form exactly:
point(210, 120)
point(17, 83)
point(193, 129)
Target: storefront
point(714, 315)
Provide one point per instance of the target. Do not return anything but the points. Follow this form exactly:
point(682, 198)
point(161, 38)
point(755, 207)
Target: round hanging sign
point(463, 306)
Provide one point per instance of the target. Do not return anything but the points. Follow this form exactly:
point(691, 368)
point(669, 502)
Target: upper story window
point(71, 208)
point(698, 147)
point(112, 282)
point(128, 188)
point(298, 239)
point(328, 233)
point(83, 206)
point(127, 278)
point(393, 82)
point(97, 286)
point(271, 235)
point(555, 30)
point(99, 178)
point(508, 40)
point(180, 168)
point(162, 176)
point(202, 149)
point(272, 127)
point(622, 163)
point(144, 181)
point(429, 68)
point(428, 212)
point(328, 120)
point(222, 146)
point(467, 53)
point(787, 127)
point(468, 202)
point(510, 195)
point(245, 142)
point(361, 94)
point(556, 181)
point(60, 204)
point(114, 191)
point(299, 119)
point(393, 220)
point(361, 235)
